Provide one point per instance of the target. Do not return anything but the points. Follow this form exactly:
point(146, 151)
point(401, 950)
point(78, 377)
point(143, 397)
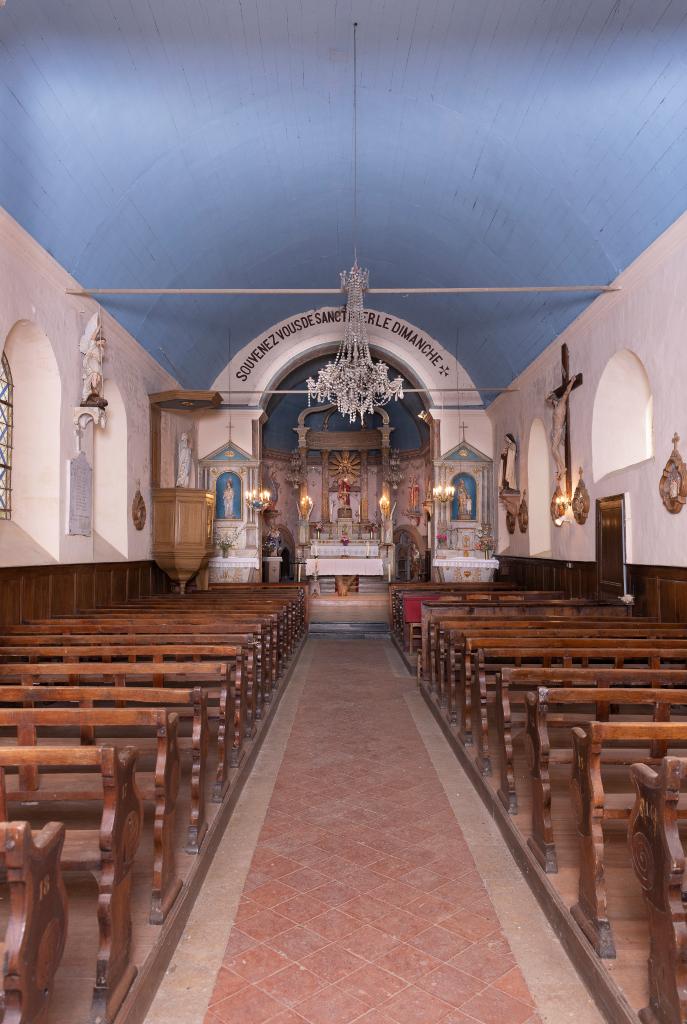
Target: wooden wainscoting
point(575, 579)
point(39, 591)
point(660, 590)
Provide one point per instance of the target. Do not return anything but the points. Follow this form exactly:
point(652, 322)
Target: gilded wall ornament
point(138, 510)
point(673, 483)
point(523, 514)
point(510, 521)
point(580, 502)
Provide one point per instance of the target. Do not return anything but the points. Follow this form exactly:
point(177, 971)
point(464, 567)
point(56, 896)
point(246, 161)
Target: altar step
point(354, 608)
point(349, 630)
point(366, 585)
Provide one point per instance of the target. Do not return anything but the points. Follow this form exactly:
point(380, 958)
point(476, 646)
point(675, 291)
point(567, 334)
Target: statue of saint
point(464, 501)
point(414, 494)
point(185, 453)
point(560, 408)
point(344, 492)
point(228, 499)
point(92, 370)
point(510, 449)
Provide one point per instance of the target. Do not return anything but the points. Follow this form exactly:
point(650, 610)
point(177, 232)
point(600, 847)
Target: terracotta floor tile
point(485, 960)
point(451, 985)
point(374, 1016)
point(415, 1006)
point(265, 924)
point(372, 984)
point(273, 864)
point(397, 893)
point(332, 963)
point(440, 943)
point(227, 983)
point(513, 984)
point(423, 877)
point(257, 963)
point(431, 907)
point(494, 1007)
point(334, 893)
point(331, 1006)
point(334, 924)
point(369, 942)
point(238, 942)
point(408, 963)
point(301, 908)
point(272, 893)
point(291, 985)
point(288, 1017)
point(298, 942)
point(400, 924)
point(305, 879)
point(472, 926)
point(249, 1006)
point(366, 908)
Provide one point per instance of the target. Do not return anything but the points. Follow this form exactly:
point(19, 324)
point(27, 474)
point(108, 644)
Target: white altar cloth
point(455, 568)
point(344, 567)
point(325, 549)
point(233, 568)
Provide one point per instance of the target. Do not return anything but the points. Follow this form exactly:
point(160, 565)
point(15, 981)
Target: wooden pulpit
point(182, 531)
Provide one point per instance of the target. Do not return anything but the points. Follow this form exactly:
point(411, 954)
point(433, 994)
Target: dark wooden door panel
point(610, 546)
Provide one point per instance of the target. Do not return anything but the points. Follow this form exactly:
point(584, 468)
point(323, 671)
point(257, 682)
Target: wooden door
point(610, 546)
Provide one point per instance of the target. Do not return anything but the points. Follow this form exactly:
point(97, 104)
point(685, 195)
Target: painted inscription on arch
point(291, 328)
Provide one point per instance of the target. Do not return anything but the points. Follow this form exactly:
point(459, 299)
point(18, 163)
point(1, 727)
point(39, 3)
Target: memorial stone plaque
point(80, 496)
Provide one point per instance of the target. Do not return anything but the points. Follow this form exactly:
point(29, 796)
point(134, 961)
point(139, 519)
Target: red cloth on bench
point(412, 606)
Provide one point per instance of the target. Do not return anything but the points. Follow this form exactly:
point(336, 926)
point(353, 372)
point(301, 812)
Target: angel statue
point(185, 461)
point(92, 370)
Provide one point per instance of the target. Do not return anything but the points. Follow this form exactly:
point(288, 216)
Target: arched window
point(622, 429)
point(539, 489)
point(6, 398)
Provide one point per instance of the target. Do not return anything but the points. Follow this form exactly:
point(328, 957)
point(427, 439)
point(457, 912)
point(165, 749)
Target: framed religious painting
point(673, 483)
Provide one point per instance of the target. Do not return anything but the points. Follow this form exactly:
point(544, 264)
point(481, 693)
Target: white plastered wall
point(33, 295)
point(648, 317)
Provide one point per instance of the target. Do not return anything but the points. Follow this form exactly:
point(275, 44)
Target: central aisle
point(362, 901)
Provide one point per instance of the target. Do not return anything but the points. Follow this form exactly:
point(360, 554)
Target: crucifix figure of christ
point(560, 423)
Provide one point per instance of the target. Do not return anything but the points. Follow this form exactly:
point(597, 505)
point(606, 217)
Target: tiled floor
point(363, 902)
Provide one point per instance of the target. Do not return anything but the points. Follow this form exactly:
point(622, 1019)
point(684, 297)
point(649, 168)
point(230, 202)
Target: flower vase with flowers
point(441, 539)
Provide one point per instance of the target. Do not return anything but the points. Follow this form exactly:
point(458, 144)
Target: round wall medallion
point(523, 514)
point(138, 511)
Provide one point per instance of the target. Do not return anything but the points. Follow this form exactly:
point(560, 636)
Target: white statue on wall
point(185, 461)
point(558, 422)
point(508, 481)
point(92, 369)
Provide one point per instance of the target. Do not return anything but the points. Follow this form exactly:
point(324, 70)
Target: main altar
point(351, 538)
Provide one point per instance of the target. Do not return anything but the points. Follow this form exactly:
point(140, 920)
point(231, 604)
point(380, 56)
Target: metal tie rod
point(86, 292)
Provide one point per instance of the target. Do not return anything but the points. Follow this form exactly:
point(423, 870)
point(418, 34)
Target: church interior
point(343, 576)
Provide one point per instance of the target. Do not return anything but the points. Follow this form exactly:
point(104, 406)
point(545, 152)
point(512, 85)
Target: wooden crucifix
point(560, 425)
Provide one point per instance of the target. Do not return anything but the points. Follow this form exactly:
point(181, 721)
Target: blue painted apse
point(173, 143)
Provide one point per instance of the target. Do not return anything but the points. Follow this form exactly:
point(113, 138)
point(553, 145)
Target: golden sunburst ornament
point(346, 464)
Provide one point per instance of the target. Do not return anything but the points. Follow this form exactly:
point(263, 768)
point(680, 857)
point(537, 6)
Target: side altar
point(464, 514)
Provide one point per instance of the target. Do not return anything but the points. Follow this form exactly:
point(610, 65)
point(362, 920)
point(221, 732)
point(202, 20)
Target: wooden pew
point(659, 863)
point(37, 927)
point(180, 700)
point(107, 852)
point(552, 654)
point(519, 682)
point(591, 810)
point(26, 722)
point(212, 675)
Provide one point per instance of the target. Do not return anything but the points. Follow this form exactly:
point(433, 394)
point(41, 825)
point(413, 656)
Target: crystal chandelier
point(355, 382)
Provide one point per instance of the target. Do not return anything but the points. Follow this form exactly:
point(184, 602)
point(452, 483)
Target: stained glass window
point(5, 439)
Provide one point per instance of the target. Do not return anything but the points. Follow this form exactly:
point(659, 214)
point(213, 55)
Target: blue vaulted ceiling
point(166, 143)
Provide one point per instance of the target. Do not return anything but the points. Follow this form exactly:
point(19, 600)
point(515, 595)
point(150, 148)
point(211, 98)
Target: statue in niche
point(464, 501)
point(344, 492)
point(228, 496)
point(508, 482)
point(558, 427)
point(92, 370)
point(185, 461)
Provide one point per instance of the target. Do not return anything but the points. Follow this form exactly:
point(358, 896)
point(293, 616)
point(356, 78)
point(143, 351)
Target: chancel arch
point(36, 528)
point(622, 418)
point(539, 489)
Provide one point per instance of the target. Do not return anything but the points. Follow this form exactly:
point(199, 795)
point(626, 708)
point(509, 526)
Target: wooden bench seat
point(117, 839)
point(36, 931)
point(30, 726)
